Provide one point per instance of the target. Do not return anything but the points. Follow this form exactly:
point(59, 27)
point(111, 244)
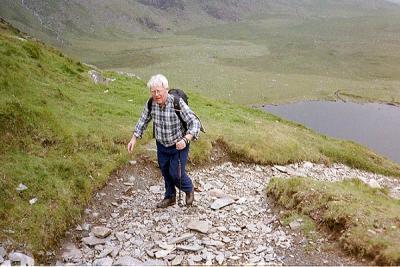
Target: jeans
point(168, 158)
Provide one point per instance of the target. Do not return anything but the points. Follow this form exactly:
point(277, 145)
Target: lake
point(374, 125)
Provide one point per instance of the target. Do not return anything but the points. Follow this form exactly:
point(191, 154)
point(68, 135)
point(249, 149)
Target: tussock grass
point(62, 136)
point(366, 221)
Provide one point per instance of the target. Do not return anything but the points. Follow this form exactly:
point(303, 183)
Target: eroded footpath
point(232, 221)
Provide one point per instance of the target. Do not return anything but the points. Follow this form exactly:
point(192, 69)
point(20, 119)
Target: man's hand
point(131, 144)
point(181, 144)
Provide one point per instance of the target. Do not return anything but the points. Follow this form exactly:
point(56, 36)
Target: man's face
point(159, 94)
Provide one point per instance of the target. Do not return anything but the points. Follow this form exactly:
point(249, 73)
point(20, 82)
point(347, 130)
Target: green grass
point(275, 53)
point(365, 221)
point(271, 60)
point(62, 136)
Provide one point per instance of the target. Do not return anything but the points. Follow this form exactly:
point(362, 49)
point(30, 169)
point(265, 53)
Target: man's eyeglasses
point(156, 92)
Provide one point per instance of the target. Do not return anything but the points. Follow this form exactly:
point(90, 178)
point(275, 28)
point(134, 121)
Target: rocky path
point(231, 221)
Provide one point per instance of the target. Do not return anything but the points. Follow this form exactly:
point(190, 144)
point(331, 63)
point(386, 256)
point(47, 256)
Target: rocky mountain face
point(65, 19)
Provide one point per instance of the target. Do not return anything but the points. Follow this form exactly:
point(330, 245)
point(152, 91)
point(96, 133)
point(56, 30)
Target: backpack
point(177, 94)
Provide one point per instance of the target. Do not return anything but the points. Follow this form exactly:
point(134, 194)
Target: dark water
point(376, 126)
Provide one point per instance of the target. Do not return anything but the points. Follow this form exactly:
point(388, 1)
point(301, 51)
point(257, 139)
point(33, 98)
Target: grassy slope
point(57, 131)
point(61, 135)
point(280, 51)
point(366, 221)
point(273, 60)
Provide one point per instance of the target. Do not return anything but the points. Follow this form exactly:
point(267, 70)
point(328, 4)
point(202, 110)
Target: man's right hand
point(131, 144)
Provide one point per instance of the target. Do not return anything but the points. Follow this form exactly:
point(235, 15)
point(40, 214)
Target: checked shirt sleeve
point(142, 122)
point(193, 123)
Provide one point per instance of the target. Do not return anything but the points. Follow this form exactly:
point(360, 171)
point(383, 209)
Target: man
point(171, 138)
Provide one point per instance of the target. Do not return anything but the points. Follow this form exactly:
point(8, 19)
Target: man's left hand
point(181, 145)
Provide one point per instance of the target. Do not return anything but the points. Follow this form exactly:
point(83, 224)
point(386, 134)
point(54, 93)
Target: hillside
point(249, 52)
point(59, 21)
point(62, 136)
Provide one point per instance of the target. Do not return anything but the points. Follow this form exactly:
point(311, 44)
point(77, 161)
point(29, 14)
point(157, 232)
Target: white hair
point(158, 80)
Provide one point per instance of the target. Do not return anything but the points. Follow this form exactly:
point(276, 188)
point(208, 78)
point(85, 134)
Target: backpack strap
point(150, 104)
point(178, 110)
point(150, 107)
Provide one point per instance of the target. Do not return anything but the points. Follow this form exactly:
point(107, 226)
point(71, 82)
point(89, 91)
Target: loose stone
point(71, 253)
point(196, 258)
point(307, 165)
point(2, 252)
point(177, 261)
point(115, 252)
point(128, 261)
point(33, 201)
point(200, 226)
point(152, 262)
point(295, 225)
point(101, 232)
point(120, 236)
point(162, 253)
point(156, 189)
point(105, 252)
point(23, 259)
point(218, 193)
point(21, 187)
point(92, 241)
point(166, 246)
point(222, 202)
point(220, 258)
point(373, 183)
point(103, 262)
point(193, 248)
point(281, 168)
point(181, 238)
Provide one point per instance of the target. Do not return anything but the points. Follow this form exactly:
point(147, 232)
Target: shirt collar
point(170, 99)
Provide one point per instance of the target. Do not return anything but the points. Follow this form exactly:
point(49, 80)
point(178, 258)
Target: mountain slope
point(58, 21)
point(282, 50)
point(62, 136)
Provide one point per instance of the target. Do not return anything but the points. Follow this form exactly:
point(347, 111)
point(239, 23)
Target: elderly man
point(172, 138)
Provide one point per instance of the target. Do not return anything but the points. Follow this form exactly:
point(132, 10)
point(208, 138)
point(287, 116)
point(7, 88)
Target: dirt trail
point(246, 231)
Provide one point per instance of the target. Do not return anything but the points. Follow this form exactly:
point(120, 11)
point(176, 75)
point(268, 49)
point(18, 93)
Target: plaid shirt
point(168, 128)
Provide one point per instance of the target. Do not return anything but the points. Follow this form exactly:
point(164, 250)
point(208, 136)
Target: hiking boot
point(166, 202)
point(189, 198)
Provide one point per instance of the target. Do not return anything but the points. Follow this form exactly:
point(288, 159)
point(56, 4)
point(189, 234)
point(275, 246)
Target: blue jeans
point(168, 158)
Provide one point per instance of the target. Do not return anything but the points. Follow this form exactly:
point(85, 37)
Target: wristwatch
point(187, 141)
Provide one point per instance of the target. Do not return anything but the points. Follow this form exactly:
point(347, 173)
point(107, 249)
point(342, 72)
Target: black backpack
point(177, 94)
